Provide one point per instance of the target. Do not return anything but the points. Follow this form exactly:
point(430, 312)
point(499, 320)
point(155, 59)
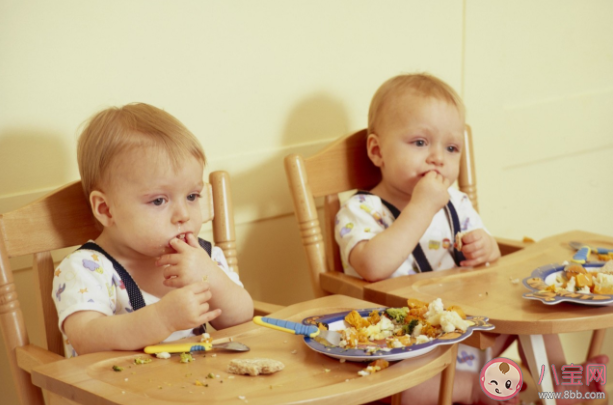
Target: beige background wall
point(256, 81)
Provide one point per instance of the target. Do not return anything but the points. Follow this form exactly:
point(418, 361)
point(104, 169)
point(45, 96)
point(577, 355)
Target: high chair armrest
point(334, 282)
point(30, 356)
point(508, 246)
point(265, 308)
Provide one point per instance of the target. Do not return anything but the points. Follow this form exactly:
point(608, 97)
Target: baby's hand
point(478, 248)
point(187, 307)
point(431, 191)
point(190, 264)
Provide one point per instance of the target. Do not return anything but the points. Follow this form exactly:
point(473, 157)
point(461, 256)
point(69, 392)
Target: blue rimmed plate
point(337, 322)
point(544, 276)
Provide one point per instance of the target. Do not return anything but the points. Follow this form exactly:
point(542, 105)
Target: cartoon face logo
point(501, 379)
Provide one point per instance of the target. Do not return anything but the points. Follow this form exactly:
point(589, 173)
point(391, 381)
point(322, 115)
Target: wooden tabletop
point(495, 292)
point(308, 376)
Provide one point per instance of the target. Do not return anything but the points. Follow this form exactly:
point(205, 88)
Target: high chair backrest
point(342, 166)
point(64, 219)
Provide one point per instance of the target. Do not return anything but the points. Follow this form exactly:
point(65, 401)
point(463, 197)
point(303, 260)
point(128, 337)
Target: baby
point(147, 277)
point(408, 223)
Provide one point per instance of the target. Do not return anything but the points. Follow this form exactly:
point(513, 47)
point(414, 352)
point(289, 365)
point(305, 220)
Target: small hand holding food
point(186, 307)
point(190, 264)
point(431, 191)
point(478, 248)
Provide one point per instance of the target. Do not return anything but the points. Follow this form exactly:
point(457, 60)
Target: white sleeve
point(83, 282)
point(360, 218)
point(219, 258)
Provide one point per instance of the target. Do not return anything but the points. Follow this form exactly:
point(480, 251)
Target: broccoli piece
point(408, 328)
point(397, 314)
point(117, 368)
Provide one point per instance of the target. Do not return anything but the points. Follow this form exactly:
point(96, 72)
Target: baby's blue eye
point(420, 142)
point(193, 197)
point(452, 149)
point(158, 201)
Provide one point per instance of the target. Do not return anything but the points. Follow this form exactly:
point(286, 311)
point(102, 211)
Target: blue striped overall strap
point(136, 297)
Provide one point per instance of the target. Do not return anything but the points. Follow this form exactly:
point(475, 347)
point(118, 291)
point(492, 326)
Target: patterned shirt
point(364, 216)
point(87, 281)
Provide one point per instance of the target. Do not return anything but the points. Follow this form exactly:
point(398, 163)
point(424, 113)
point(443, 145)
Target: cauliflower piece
point(385, 324)
point(584, 290)
point(382, 330)
point(603, 284)
point(559, 280)
point(451, 321)
point(570, 286)
point(434, 308)
point(422, 339)
point(417, 330)
point(395, 344)
point(375, 333)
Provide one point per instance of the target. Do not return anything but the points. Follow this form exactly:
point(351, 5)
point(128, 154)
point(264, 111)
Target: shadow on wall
point(272, 261)
point(31, 161)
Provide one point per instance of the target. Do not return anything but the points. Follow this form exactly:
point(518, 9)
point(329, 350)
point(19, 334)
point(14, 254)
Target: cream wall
point(256, 81)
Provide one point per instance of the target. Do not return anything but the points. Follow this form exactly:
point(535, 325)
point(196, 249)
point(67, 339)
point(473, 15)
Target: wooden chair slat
point(58, 220)
point(44, 272)
point(348, 160)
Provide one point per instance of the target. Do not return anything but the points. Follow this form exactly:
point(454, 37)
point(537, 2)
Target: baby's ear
point(100, 207)
point(373, 148)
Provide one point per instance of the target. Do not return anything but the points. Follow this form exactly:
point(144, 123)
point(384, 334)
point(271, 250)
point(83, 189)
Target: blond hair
point(114, 130)
point(421, 84)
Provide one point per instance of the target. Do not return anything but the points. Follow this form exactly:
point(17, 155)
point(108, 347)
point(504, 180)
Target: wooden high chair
point(342, 166)
point(64, 219)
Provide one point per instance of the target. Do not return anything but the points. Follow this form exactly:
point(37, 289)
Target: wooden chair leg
point(397, 399)
point(447, 376)
point(596, 343)
point(595, 349)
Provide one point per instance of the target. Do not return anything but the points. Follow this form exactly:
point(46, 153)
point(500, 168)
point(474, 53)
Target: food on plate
point(255, 366)
point(576, 278)
point(605, 257)
point(418, 322)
